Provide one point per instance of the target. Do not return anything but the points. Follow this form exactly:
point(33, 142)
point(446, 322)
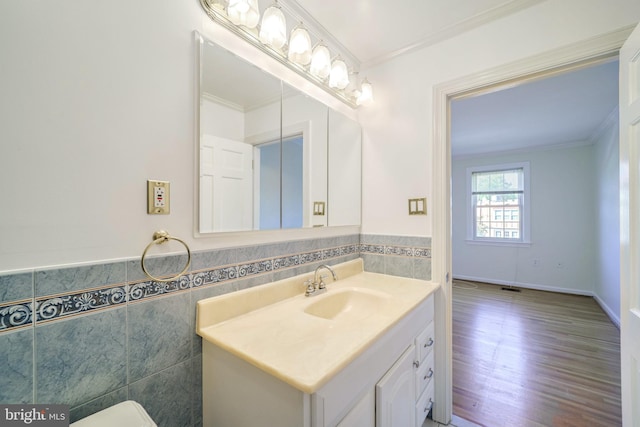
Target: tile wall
point(404, 256)
point(93, 335)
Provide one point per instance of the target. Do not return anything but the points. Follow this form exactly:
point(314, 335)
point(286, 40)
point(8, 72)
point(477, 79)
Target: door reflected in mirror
point(266, 152)
point(279, 171)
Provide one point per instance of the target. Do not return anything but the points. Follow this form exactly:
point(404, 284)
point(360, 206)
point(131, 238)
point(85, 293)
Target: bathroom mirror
point(239, 104)
point(264, 150)
point(306, 118)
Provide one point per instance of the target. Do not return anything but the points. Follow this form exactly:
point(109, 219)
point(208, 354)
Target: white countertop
point(274, 333)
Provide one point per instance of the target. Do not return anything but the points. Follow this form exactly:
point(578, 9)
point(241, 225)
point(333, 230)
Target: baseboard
point(533, 286)
point(612, 316)
point(615, 319)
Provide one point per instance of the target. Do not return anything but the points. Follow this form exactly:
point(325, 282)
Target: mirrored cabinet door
point(270, 156)
point(304, 120)
point(239, 110)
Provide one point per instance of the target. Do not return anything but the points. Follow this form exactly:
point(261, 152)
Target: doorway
point(559, 60)
point(526, 164)
point(528, 212)
point(280, 176)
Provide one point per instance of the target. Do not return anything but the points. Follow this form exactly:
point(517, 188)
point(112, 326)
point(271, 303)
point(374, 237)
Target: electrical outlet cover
point(157, 197)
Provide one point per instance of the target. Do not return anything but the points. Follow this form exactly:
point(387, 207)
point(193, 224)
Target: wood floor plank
point(533, 358)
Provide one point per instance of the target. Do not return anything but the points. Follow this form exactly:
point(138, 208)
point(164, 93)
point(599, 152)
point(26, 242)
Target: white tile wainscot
point(267, 361)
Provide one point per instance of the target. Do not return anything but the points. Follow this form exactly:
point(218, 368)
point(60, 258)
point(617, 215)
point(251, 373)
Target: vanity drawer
point(424, 374)
point(424, 405)
point(424, 342)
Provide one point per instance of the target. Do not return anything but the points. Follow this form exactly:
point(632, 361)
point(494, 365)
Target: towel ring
point(160, 237)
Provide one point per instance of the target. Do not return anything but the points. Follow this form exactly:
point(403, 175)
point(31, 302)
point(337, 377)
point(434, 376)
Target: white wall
point(222, 121)
point(96, 99)
point(94, 103)
point(99, 97)
point(398, 126)
point(344, 171)
point(606, 175)
point(563, 224)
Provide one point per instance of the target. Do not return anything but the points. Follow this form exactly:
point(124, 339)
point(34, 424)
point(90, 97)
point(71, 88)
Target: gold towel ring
point(160, 237)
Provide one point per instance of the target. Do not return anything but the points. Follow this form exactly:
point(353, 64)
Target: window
point(498, 203)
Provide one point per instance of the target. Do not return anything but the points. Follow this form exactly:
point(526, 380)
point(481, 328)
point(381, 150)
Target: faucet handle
point(310, 287)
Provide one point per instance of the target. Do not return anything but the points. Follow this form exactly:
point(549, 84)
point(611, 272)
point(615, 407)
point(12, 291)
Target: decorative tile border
point(151, 288)
point(406, 251)
point(50, 308)
point(24, 313)
point(422, 252)
point(16, 314)
point(372, 249)
point(254, 268)
point(217, 275)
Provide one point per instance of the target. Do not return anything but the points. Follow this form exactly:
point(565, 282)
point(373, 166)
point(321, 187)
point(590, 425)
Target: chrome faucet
point(317, 286)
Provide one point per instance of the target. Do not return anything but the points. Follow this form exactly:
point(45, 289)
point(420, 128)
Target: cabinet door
point(395, 394)
point(362, 414)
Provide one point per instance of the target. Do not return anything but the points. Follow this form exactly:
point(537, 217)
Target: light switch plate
point(318, 208)
point(418, 206)
point(158, 197)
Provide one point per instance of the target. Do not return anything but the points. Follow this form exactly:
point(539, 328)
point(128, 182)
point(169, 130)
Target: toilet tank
point(124, 414)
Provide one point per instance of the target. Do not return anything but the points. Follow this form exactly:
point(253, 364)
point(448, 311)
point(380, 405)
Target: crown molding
point(206, 96)
point(573, 56)
point(532, 149)
point(456, 29)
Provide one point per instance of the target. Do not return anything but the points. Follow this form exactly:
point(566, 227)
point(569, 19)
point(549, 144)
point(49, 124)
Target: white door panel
point(226, 185)
point(363, 414)
point(630, 228)
point(395, 394)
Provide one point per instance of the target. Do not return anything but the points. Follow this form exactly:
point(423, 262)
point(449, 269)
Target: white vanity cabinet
point(424, 373)
point(358, 355)
point(383, 386)
point(404, 396)
point(395, 393)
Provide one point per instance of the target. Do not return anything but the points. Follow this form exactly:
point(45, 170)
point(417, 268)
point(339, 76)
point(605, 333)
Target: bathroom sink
point(348, 304)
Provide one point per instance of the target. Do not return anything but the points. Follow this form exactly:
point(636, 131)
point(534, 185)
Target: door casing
point(573, 56)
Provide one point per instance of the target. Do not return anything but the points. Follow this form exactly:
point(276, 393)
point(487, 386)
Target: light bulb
point(244, 12)
point(320, 61)
point(273, 30)
point(366, 93)
point(300, 46)
point(339, 76)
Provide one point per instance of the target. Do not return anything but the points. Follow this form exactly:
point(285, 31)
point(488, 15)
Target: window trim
point(526, 204)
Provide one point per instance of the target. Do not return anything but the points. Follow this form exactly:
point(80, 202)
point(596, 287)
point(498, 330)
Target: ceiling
point(563, 109)
point(568, 108)
point(377, 30)
point(220, 73)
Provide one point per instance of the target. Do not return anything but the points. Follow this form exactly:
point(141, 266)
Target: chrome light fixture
point(244, 12)
point(241, 17)
point(273, 29)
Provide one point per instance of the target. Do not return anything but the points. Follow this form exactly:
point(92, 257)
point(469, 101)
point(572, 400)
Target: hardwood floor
point(533, 358)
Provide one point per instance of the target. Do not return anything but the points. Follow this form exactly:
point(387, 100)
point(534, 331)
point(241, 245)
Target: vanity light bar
point(339, 88)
